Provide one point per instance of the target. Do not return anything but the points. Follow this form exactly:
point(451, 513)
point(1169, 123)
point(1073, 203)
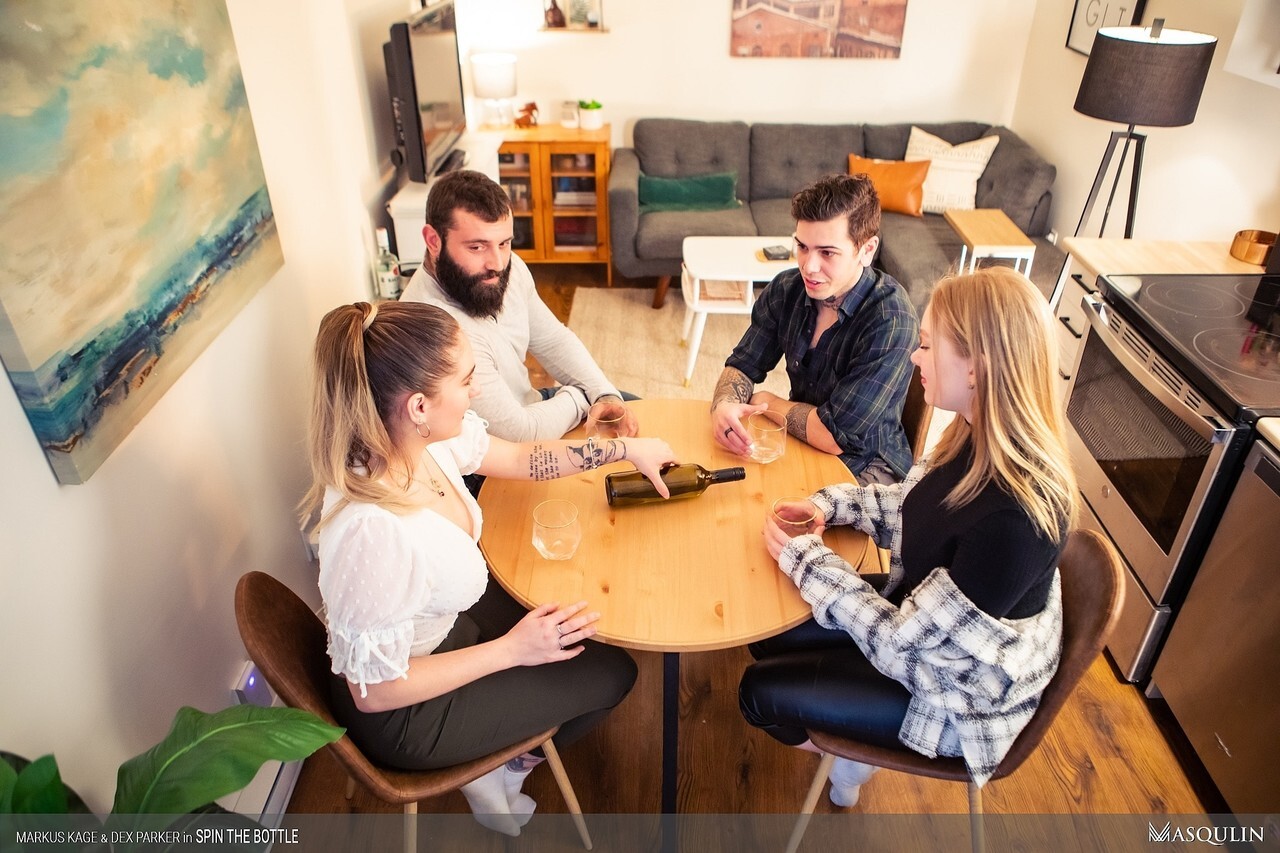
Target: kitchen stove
point(1222, 331)
point(1170, 380)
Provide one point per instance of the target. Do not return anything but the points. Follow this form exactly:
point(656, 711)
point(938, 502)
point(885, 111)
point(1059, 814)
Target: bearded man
point(469, 270)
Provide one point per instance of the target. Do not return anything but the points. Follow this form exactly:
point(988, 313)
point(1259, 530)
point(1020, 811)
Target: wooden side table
point(990, 233)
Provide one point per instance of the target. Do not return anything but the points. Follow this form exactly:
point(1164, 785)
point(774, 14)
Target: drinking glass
point(768, 431)
point(556, 531)
point(795, 515)
point(604, 420)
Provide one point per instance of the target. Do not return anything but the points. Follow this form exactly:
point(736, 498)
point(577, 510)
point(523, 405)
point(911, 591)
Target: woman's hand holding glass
point(789, 518)
point(551, 633)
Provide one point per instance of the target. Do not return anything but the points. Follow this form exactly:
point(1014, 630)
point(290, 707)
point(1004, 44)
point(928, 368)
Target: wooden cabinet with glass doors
point(558, 182)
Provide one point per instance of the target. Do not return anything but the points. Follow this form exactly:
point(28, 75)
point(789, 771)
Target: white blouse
point(393, 585)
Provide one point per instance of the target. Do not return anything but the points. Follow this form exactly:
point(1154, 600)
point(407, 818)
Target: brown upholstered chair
point(287, 641)
point(916, 416)
point(1092, 594)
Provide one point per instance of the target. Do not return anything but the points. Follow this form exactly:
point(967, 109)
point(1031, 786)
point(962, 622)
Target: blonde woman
point(433, 665)
point(951, 654)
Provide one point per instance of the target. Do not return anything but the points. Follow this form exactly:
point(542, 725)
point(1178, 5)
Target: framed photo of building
point(1089, 16)
point(842, 29)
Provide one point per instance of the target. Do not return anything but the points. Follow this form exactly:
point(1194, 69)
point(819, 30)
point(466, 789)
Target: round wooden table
point(689, 575)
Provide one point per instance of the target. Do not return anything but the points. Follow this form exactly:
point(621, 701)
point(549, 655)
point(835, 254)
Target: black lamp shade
point(1135, 79)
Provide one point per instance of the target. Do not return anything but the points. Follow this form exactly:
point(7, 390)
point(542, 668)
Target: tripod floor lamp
point(1140, 76)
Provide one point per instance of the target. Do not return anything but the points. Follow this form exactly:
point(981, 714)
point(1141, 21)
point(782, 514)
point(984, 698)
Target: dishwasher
point(1220, 667)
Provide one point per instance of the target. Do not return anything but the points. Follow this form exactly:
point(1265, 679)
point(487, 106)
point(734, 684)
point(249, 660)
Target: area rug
point(639, 348)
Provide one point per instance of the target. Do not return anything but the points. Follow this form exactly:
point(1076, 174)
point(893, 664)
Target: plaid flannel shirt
point(975, 680)
point(857, 375)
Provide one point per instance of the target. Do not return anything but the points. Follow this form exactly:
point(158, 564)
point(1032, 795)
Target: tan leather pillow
point(899, 183)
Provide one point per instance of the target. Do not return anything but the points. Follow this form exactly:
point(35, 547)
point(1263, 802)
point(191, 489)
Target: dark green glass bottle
point(631, 488)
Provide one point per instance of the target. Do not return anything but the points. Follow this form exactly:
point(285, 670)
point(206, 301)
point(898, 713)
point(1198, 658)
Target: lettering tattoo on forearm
point(593, 454)
point(798, 421)
point(733, 387)
point(543, 464)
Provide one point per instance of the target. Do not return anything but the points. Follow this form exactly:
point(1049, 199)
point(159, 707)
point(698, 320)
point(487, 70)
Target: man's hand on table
point(727, 428)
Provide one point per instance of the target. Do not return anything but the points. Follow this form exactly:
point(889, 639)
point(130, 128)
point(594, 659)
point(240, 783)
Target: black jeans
point(813, 677)
point(497, 710)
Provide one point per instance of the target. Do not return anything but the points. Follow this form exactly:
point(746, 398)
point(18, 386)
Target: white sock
point(522, 805)
point(487, 797)
point(847, 779)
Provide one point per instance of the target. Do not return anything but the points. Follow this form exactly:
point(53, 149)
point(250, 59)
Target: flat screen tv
point(424, 78)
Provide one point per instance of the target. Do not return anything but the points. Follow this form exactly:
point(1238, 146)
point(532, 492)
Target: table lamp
point(493, 77)
point(1140, 76)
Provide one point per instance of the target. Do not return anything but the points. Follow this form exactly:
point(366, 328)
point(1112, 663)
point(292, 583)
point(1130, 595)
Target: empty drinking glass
point(604, 420)
point(795, 516)
point(556, 531)
point(768, 431)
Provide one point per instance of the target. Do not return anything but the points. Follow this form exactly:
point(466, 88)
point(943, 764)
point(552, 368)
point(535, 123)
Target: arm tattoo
point(798, 421)
point(543, 464)
point(733, 387)
point(589, 456)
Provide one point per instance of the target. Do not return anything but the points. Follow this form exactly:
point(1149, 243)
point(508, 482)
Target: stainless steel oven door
point(1145, 445)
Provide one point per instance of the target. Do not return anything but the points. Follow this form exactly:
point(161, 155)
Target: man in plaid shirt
point(846, 330)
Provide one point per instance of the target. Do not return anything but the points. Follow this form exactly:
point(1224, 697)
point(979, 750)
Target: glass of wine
point(604, 420)
point(768, 431)
point(795, 515)
point(556, 531)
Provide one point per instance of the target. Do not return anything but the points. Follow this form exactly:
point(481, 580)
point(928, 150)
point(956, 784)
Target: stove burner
point(1251, 354)
point(1197, 300)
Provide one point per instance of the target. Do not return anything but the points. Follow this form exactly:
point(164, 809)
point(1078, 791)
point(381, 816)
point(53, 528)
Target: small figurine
point(528, 116)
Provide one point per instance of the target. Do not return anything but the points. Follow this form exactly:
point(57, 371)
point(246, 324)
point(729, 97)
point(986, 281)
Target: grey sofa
point(774, 161)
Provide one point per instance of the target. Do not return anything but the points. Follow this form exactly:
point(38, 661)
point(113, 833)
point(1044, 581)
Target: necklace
point(435, 484)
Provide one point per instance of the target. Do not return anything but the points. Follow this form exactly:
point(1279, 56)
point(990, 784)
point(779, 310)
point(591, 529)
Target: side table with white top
point(717, 277)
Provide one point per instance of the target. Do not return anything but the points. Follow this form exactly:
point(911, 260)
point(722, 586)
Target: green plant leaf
point(38, 789)
point(8, 778)
point(207, 756)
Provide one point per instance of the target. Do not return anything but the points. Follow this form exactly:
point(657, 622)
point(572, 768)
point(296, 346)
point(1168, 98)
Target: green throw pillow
point(698, 192)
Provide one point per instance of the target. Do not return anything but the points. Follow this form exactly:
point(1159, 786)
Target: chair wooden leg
point(566, 791)
point(660, 293)
point(810, 801)
point(976, 835)
point(351, 787)
point(410, 828)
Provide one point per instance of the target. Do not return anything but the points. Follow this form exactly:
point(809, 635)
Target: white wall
point(671, 58)
point(116, 595)
point(1204, 181)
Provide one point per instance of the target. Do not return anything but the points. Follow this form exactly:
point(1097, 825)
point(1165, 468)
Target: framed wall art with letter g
point(1089, 16)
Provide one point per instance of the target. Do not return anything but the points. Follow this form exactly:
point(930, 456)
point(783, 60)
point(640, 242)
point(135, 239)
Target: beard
point(478, 295)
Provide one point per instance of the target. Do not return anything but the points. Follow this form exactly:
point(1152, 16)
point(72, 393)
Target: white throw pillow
point(952, 182)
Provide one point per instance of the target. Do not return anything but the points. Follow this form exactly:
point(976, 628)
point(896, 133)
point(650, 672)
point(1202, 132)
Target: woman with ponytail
point(433, 665)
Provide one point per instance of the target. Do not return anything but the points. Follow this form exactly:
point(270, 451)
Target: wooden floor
point(1111, 751)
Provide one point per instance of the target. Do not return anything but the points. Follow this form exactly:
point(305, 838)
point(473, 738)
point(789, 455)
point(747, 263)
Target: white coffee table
point(717, 278)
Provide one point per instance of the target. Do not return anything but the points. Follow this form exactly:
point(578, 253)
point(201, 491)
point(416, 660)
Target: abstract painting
point(844, 29)
point(134, 215)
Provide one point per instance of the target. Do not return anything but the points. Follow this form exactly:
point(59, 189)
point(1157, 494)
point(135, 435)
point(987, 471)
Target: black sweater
point(992, 550)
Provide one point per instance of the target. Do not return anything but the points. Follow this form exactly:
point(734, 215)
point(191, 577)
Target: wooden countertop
point(1110, 256)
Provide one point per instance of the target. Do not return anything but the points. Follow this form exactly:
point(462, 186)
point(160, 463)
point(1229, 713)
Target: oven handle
point(1208, 424)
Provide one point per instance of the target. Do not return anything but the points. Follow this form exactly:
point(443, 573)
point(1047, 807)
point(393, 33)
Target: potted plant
point(590, 116)
point(204, 757)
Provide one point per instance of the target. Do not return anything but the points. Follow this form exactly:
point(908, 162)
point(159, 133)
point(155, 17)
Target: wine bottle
point(631, 488)
point(388, 268)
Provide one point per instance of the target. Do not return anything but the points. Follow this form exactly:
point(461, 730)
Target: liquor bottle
point(388, 268)
point(631, 488)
